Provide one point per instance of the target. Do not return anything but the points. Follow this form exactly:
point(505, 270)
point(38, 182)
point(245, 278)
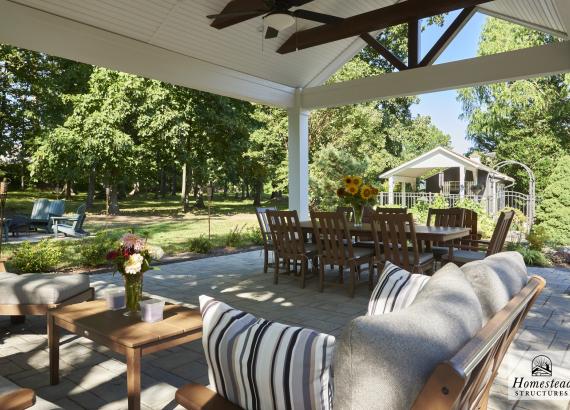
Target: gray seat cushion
point(383, 362)
point(462, 256)
point(41, 288)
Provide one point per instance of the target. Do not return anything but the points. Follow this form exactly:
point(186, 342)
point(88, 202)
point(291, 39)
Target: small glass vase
point(133, 293)
point(357, 215)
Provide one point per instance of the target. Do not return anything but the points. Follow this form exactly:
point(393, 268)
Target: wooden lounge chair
point(391, 243)
point(289, 243)
point(70, 225)
point(43, 212)
point(261, 214)
point(495, 245)
point(334, 244)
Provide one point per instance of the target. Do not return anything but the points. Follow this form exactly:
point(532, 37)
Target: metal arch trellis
point(531, 186)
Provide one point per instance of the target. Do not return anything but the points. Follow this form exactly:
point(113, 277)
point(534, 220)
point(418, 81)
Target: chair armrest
point(198, 397)
point(19, 399)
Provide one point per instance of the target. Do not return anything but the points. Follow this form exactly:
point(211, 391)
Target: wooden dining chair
point(391, 210)
point(335, 247)
point(289, 243)
point(495, 245)
point(470, 220)
point(395, 241)
point(348, 212)
point(450, 217)
point(261, 214)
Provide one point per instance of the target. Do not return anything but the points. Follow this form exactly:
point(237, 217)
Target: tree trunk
point(112, 194)
point(162, 190)
point(200, 200)
point(173, 185)
point(257, 193)
point(68, 190)
point(90, 190)
point(225, 189)
point(247, 193)
point(135, 190)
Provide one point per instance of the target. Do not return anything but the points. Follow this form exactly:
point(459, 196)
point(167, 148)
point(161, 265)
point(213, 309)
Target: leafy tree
point(527, 120)
point(327, 170)
point(553, 214)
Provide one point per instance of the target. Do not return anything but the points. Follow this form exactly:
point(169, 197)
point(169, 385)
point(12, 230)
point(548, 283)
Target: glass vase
point(133, 293)
point(357, 215)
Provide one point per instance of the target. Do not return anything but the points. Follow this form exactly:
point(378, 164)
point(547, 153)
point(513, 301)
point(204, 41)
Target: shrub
point(235, 237)
point(253, 235)
point(553, 213)
point(537, 238)
point(486, 224)
point(532, 257)
point(44, 256)
point(94, 250)
point(201, 244)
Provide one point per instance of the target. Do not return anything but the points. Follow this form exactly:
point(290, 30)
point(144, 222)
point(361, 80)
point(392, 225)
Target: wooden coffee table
point(121, 334)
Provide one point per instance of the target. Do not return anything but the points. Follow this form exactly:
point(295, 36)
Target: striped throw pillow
point(396, 289)
point(259, 364)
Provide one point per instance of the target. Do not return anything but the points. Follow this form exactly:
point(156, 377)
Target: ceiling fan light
point(279, 21)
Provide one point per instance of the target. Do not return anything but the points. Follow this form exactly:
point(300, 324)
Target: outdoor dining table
point(423, 232)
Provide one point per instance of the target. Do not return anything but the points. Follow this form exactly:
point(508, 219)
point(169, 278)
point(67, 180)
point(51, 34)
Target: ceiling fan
point(276, 14)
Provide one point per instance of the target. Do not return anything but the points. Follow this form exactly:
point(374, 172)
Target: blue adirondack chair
point(71, 225)
point(44, 211)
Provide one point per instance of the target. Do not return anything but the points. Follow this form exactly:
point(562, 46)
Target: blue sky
point(443, 107)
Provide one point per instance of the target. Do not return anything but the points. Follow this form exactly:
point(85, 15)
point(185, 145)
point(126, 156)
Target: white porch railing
point(492, 204)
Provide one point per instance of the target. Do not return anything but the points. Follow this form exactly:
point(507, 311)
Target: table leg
point(53, 344)
point(134, 378)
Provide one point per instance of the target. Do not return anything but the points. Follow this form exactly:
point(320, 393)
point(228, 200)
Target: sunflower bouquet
point(357, 194)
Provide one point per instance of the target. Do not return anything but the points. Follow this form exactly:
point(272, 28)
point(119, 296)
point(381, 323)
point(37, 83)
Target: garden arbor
point(172, 41)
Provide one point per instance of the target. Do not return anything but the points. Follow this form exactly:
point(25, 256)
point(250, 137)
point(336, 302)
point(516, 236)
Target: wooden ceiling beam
point(373, 21)
point(384, 52)
point(448, 36)
point(414, 43)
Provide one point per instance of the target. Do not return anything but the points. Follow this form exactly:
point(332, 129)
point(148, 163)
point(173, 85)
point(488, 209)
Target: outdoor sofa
point(442, 351)
point(34, 293)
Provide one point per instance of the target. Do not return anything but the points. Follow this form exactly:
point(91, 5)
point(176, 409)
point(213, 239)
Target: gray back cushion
point(496, 280)
point(383, 362)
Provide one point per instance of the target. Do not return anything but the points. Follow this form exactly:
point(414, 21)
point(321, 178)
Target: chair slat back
point(261, 214)
point(500, 233)
point(450, 217)
point(78, 224)
point(469, 221)
point(40, 211)
point(333, 237)
point(348, 212)
point(389, 210)
point(56, 207)
point(286, 233)
point(367, 214)
point(395, 229)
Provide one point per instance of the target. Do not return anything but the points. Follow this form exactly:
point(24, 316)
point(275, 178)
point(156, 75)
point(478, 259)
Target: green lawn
point(161, 220)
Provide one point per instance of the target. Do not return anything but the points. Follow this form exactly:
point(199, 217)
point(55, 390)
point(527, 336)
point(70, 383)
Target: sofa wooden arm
point(197, 397)
point(19, 399)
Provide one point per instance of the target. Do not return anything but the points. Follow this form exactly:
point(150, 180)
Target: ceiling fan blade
point(252, 8)
point(318, 17)
point(296, 3)
point(271, 33)
point(236, 14)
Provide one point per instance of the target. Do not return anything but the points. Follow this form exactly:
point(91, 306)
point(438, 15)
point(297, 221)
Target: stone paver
point(94, 377)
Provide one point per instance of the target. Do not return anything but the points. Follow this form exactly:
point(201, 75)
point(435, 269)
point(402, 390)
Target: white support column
point(403, 194)
point(461, 182)
point(299, 160)
point(391, 191)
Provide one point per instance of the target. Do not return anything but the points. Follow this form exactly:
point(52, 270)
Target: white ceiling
point(181, 26)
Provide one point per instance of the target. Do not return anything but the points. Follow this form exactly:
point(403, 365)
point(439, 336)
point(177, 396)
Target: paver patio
point(93, 377)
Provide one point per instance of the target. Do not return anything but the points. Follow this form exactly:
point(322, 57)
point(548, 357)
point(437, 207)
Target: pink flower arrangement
point(134, 255)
